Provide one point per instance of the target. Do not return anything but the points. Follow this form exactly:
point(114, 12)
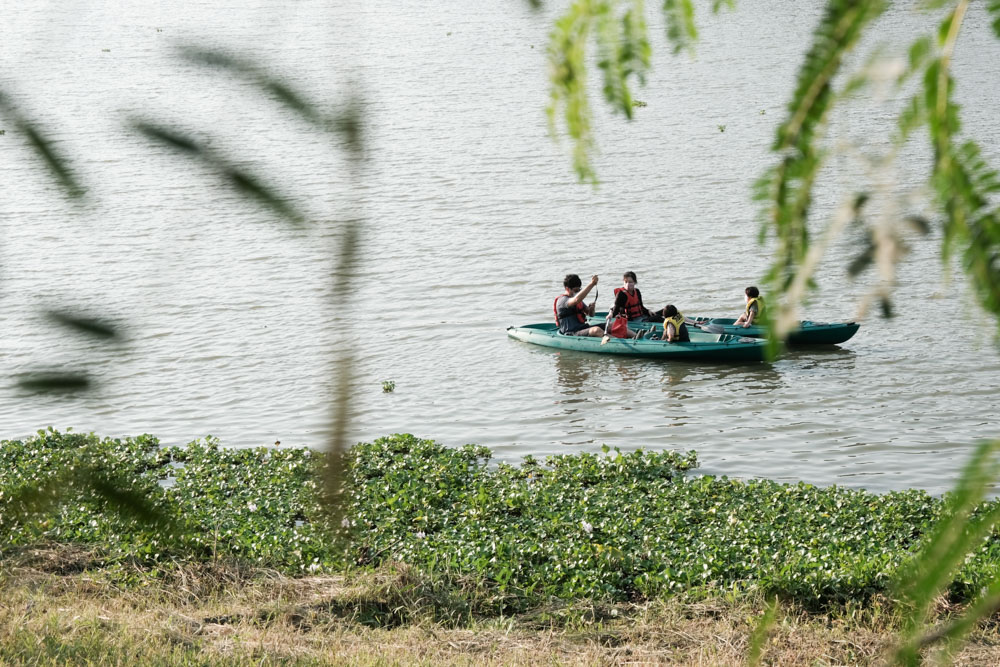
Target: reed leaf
point(760, 633)
point(953, 537)
point(56, 163)
point(963, 182)
point(271, 85)
point(47, 382)
point(93, 326)
point(241, 180)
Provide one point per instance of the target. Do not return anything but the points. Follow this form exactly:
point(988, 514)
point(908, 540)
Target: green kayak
point(807, 333)
point(703, 345)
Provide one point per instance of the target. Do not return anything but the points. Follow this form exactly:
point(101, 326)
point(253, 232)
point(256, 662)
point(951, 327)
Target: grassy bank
point(226, 615)
point(599, 549)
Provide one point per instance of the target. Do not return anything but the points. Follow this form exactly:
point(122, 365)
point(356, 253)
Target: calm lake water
point(471, 216)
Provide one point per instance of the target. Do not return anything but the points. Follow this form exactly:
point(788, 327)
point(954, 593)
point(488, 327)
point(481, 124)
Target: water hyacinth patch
point(616, 526)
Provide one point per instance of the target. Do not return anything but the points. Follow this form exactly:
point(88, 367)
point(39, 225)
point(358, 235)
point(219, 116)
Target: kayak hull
point(702, 347)
point(807, 333)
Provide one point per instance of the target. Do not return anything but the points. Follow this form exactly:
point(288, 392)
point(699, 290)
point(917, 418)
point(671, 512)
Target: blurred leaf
point(348, 124)
point(919, 223)
point(241, 180)
point(128, 502)
point(760, 632)
point(168, 136)
point(953, 537)
point(681, 30)
point(249, 185)
point(57, 165)
point(620, 33)
point(45, 382)
point(993, 7)
point(89, 325)
point(918, 54)
point(860, 199)
point(862, 261)
point(275, 87)
point(913, 116)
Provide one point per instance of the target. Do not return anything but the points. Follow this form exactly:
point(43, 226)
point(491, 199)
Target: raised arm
point(582, 294)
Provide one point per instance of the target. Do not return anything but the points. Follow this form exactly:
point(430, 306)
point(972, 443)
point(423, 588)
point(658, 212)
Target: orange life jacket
point(633, 307)
point(580, 315)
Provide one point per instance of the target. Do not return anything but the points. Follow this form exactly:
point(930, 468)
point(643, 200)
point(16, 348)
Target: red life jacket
point(619, 328)
point(633, 307)
point(579, 310)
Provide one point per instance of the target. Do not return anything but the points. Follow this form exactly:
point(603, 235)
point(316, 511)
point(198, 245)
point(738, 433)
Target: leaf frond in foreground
point(681, 30)
point(619, 28)
point(786, 189)
point(54, 382)
point(242, 181)
point(93, 326)
point(56, 163)
point(958, 531)
point(277, 88)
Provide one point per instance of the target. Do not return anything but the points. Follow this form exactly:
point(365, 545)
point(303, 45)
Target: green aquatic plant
point(615, 526)
point(722, 128)
point(388, 386)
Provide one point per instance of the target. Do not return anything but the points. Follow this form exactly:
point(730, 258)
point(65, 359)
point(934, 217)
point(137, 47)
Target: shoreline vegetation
point(126, 550)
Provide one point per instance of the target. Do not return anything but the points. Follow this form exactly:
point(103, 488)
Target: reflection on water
point(572, 372)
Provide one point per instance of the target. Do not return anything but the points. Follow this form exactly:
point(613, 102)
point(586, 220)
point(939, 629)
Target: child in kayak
point(754, 307)
point(674, 329)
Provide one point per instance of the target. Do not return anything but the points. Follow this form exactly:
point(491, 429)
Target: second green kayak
point(807, 333)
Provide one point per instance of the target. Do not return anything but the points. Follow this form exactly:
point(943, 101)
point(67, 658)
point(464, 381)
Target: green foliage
point(141, 502)
point(632, 525)
point(786, 189)
point(388, 386)
point(681, 30)
point(993, 6)
point(619, 30)
point(964, 526)
point(616, 526)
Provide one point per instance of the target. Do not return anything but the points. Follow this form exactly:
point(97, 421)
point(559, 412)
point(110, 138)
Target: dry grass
point(54, 610)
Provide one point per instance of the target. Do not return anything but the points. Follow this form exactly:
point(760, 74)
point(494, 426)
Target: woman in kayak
point(570, 310)
point(628, 299)
point(754, 307)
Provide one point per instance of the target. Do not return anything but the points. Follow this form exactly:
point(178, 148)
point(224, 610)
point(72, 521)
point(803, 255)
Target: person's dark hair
point(630, 274)
point(753, 292)
point(572, 280)
point(670, 311)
